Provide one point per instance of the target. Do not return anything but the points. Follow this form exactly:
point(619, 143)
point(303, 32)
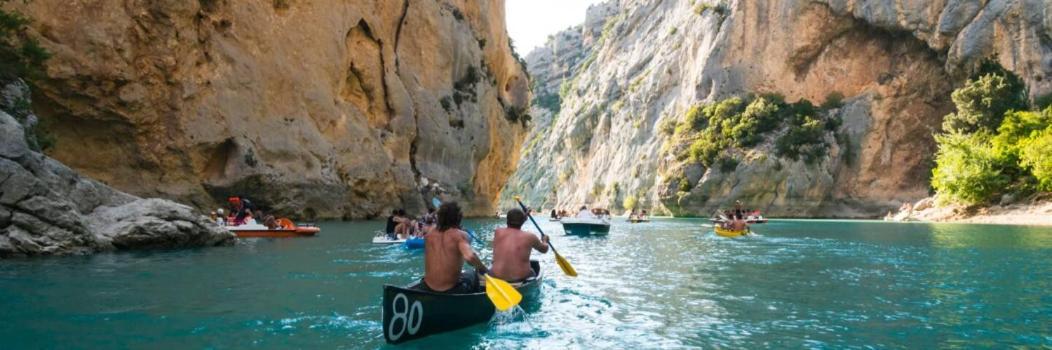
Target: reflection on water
point(668, 283)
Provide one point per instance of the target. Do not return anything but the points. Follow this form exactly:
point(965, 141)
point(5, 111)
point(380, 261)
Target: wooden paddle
point(559, 259)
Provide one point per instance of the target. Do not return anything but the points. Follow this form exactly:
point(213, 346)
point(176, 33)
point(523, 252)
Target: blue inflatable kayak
point(414, 243)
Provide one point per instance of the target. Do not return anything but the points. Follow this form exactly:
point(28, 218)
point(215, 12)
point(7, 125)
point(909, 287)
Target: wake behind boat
point(409, 313)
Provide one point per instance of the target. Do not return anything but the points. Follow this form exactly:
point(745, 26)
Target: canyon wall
point(610, 137)
point(48, 209)
point(316, 109)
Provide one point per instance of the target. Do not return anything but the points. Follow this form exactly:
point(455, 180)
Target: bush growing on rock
point(1037, 157)
point(982, 102)
point(713, 128)
point(993, 146)
point(968, 170)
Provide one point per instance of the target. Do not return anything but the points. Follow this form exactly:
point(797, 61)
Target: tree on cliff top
point(984, 100)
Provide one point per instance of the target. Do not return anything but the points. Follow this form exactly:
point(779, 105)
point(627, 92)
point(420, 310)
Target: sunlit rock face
point(644, 64)
point(320, 108)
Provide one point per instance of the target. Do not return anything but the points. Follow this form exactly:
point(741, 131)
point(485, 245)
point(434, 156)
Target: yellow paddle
point(502, 294)
point(559, 259)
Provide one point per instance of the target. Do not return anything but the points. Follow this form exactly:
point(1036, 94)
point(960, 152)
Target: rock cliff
point(48, 209)
point(320, 108)
point(883, 71)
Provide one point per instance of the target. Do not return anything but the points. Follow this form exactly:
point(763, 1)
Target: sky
point(531, 21)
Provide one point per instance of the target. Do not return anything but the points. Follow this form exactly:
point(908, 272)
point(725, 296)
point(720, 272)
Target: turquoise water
point(666, 284)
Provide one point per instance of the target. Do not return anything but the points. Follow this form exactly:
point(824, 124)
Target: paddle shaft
point(527, 212)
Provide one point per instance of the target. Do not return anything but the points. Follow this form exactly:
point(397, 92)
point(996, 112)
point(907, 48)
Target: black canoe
point(410, 314)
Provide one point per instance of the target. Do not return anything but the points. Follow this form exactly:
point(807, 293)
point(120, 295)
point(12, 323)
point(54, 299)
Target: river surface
point(666, 284)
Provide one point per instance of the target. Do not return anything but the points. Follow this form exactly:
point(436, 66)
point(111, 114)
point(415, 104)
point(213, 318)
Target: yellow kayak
point(730, 233)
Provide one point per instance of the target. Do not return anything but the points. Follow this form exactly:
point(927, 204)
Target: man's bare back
point(444, 255)
point(511, 253)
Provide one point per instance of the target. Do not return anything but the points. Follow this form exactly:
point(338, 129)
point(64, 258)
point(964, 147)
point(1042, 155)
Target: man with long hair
point(446, 248)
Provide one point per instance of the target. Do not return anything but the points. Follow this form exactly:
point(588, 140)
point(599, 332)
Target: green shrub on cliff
point(983, 101)
point(711, 129)
point(992, 145)
point(1036, 156)
point(968, 170)
point(20, 55)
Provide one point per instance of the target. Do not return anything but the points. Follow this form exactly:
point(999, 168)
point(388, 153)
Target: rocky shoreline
point(48, 209)
point(1030, 212)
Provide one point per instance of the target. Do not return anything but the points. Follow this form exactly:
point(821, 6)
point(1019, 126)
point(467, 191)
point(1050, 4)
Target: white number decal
point(411, 316)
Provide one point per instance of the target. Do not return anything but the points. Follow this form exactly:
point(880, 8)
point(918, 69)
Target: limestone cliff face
point(312, 108)
point(895, 61)
point(48, 209)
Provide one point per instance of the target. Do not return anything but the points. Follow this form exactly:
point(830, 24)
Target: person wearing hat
point(512, 248)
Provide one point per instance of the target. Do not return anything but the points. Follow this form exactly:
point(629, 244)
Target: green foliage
point(1043, 101)
point(968, 170)
point(672, 31)
point(1037, 157)
point(20, 55)
point(517, 114)
point(565, 88)
point(629, 202)
point(834, 99)
point(668, 126)
point(522, 62)
point(735, 122)
point(551, 102)
point(982, 102)
point(804, 139)
point(727, 164)
point(684, 185)
point(805, 135)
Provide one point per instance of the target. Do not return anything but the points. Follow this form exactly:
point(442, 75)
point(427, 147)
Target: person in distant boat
point(555, 215)
point(405, 224)
point(213, 217)
point(738, 212)
point(220, 218)
point(644, 215)
point(585, 213)
point(389, 230)
point(512, 248)
point(428, 221)
point(271, 222)
point(446, 249)
point(248, 220)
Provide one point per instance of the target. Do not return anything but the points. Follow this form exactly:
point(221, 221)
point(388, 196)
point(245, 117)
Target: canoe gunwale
point(455, 311)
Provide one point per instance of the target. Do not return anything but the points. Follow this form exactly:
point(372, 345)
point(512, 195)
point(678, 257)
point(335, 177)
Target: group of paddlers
point(242, 212)
point(734, 219)
point(584, 212)
point(447, 247)
point(638, 216)
point(402, 226)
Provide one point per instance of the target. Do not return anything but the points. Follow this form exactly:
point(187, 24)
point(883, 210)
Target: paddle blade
point(502, 294)
point(435, 202)
point(565, 265)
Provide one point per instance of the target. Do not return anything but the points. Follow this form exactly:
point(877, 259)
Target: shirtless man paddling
point(446, 249)
point(512, 248)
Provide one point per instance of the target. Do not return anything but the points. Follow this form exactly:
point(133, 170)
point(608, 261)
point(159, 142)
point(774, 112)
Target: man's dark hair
point(516, 218)
point(449, 216)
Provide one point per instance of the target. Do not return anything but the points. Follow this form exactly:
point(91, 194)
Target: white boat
point(586, 226)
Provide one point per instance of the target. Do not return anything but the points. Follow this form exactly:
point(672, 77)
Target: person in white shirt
point(585, 213)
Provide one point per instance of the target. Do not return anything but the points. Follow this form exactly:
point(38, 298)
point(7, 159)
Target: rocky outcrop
point(895, 62)
point(311, 108)
point(48, 209)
